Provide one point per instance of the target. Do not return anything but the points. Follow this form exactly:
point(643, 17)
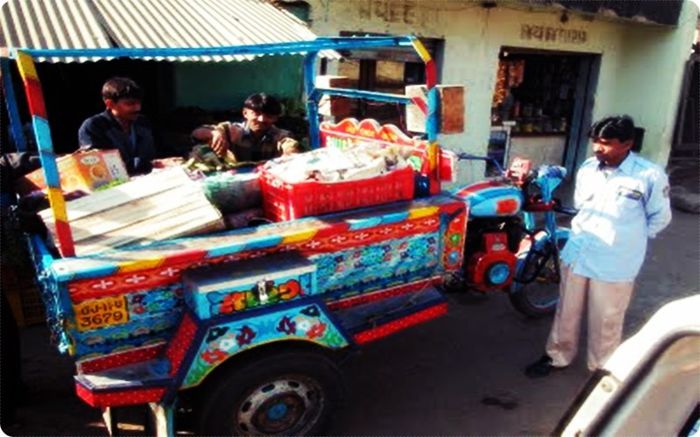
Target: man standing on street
point(622, 200)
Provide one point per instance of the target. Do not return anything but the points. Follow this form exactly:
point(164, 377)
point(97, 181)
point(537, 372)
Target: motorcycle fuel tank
point(491, 199)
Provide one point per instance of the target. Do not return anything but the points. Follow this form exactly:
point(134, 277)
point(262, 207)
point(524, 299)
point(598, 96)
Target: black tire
point(538, 296)
point(290, 393)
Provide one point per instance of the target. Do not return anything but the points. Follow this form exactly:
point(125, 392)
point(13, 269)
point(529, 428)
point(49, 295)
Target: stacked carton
point(158, 206)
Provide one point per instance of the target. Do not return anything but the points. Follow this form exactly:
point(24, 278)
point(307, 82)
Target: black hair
point(618, 127)
point(118, 88)
point(264, 104)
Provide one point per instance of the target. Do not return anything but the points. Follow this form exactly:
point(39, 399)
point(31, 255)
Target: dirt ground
point(460, 375)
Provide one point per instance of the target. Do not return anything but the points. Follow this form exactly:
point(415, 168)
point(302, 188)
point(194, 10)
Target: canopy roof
point(131, 24)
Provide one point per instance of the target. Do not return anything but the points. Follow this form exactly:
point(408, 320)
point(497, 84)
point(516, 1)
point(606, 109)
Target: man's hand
point(219, 142)
point(289, 146)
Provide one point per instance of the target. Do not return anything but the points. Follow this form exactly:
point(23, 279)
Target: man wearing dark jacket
point(121, 126)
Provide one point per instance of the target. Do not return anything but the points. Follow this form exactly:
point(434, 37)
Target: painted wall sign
point(553, 34)
point(390, 11)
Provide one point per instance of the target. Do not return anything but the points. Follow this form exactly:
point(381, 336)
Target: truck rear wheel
point(291, 393)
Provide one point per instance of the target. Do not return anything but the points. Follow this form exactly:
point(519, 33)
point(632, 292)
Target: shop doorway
point(542, 105)
point(388, 71)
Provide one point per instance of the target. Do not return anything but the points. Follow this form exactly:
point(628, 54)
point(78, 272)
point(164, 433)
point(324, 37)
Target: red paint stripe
point(332, 230)
point(120, 359)
point(65, 238)
point(188, 256)
point(400, 324)
point(430, 74)
point(422, 105)
point(377, 295)
point(464, 192)
point(35, 97)
point(118, 398)
point(178, 346)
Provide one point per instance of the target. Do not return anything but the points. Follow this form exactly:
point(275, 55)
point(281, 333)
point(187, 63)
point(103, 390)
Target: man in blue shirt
point(121, 126)
point(622, 201)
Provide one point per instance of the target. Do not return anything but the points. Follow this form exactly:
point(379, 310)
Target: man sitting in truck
point(255, 139)
point(121, 126)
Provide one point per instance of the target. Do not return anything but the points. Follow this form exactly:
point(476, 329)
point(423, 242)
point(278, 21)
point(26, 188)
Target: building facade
point(545, 71)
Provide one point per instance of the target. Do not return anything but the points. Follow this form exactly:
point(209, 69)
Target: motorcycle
point(513, 239)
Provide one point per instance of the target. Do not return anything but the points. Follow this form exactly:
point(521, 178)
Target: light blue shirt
point(619, 208)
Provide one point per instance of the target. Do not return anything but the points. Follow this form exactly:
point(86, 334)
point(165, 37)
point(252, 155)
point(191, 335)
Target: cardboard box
point(80, 171)
point(451, 108)
point(335, 106)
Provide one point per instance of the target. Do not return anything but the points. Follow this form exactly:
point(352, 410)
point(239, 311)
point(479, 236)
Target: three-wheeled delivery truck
point(247, 325)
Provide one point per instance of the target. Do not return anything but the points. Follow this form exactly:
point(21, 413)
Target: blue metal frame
point(311, 99)
point(360, 94)
point(310, 48)
point(323, 43)
point(11, 103)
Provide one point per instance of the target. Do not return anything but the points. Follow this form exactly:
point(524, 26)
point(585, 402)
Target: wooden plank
point(143, 228)
point(180, 222)
point(158, 206)
point(136, 211)
point(138, 188)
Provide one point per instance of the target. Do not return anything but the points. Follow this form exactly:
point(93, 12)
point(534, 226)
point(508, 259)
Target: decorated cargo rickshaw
point(247, 325)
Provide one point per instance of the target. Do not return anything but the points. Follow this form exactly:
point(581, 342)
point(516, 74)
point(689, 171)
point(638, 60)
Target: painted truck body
point(132, 305)
point(145, 322)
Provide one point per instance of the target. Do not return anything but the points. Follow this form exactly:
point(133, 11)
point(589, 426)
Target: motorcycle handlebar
point(565, 210)
point(469, 157)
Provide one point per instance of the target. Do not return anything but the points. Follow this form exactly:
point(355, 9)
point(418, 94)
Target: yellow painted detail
point(58, 204)
point(433, 155)
point(98, 313)
point(135, 266)
point(299, 237)
point(422, 51)
point(25, 63)
point(422, 212)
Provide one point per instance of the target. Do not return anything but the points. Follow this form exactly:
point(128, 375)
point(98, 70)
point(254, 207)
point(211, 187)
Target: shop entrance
point(541, 108)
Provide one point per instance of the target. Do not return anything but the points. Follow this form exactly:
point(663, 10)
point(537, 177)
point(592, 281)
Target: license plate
point(98, 313)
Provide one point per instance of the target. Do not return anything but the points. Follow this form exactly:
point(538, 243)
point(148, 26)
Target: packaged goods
point(329, 180)
point(82, 171)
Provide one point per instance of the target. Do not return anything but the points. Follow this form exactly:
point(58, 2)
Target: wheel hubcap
point(282, 406)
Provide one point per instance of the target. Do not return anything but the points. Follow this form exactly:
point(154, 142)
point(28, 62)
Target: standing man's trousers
point(607, 303)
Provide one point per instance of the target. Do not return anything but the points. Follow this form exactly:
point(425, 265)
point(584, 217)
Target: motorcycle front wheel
point(535, 290)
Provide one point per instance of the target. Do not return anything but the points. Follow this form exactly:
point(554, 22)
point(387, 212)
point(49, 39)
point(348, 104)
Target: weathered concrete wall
point(539, 150)
point(641, 65)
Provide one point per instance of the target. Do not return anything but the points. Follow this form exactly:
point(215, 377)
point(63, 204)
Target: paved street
point(461, 375)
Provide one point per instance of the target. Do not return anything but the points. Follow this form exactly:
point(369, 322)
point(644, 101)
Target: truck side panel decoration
point(151, 315)
point(353, 252)
point(233, 287)
point(305, 321)
point(54, 295)
point(378, 265)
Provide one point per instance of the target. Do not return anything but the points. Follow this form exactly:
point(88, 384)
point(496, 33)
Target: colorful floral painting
point(306, 323)
point(378, 264)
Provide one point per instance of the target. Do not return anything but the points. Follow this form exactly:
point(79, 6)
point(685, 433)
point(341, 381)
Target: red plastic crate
point(284, 201)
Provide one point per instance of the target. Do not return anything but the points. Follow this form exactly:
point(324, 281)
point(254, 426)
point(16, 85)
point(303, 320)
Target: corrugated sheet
point(50, 24)
point(149, 23)
point(199, 23)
